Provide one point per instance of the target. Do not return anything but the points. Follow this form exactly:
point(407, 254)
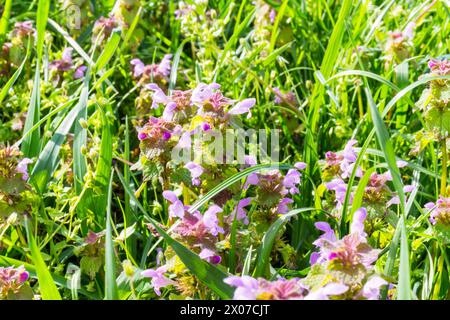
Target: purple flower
point(11, 280)
point(242, 107)
point(246, 287)
point(138, 67)
point(185, 141)
point(272, 15)
point(196, 171)
point(331, 289)
point(300, 165)
point(164, 65)
point(64, 64)
point(79, 72)
point(22, 167)
point(205, 126)
point(142, 136)
point(158, 279)
point(340, 189)
point(283, 205)
point(203, 92)
point(176, 209)
point(210, 256)
point(290, 181)
point(241, 213)
point(169, 111)
point(439, 211)
point(158, 96)
point(211, 221)
point(371, 289)
point(358, 222)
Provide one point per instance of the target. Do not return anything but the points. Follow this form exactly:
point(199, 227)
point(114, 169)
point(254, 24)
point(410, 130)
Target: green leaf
point(41, 24)
point(111, 292)
point(268, 240)
point(46, 283)
point(80, 137)
point(48, 158)
point(108, 51)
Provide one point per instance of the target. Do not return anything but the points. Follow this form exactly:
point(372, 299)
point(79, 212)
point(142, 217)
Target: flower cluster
point(13, 284)
point(65, 64)
point(342, 269)
point(434, 101)
point(338, 167)
point(15, 193)
point(14, 50)
point(399, 44)
point(186, 114)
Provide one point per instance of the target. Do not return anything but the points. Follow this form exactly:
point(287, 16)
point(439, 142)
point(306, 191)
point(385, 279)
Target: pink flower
point(211, 221)
point(241, 213)
point(371, 289)
point(138, 67)
point(243, 106)
point(79, 72)
point(22, 167)
point(196, 171)
point(176, 209)
point(283, 205)
point(300, 165)
point(210, 256)
point(291, 180)
point(158, 279)
point(203, 92)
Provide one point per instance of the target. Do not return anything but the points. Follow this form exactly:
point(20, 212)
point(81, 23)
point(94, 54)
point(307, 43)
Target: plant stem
point(444, 166)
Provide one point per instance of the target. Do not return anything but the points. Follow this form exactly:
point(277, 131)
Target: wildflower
point(11, 281)
point(324, 293)
point(241, 214)
point(439, 211)
point(79, 72)
point(340, 164)
point(103, 28)
point(340, 189)
point(196, 171)
point(352, 250)
point(300, 165)
point(203, 92)
point(22, 167)
point(248, 288)
point(210, 256)
point(65, 63)
point(211, 221)
point(155, 72)
point(158, 279)
point(286, 98)
point(290, 181)
point(176, 209)
point(371, 289)
point(243, 107)
point(282, 206)
point(22, 29)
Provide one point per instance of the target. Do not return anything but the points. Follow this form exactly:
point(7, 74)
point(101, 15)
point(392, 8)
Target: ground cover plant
point(268, 150)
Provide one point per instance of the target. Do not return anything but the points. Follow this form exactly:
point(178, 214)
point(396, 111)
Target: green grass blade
point(46, 283)
point(262, 264)
point(111, 292)
point(41, 24)
point(80, 137)
point(108, 52)
point(48, 158)
point(210, 275)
